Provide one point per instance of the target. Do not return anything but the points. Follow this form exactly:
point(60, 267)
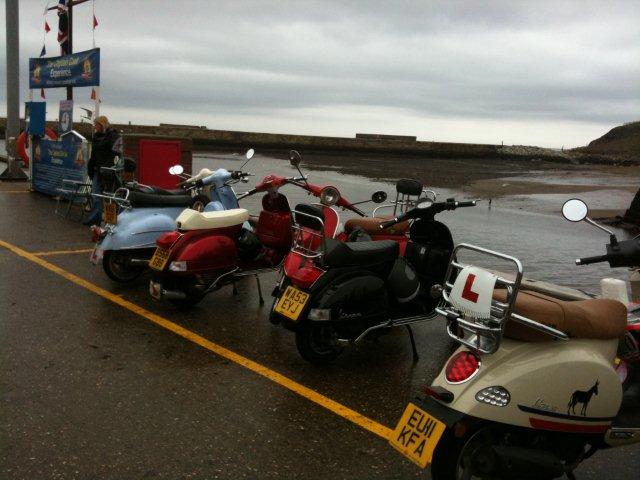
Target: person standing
point(102, 154)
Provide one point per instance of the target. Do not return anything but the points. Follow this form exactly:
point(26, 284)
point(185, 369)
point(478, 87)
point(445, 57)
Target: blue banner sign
point(80, 69)
point(35, 113)
point(54, 161)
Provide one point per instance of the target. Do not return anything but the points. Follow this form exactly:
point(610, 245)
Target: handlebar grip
point(469, 203)
point(183, 184)
point(389, 223)
point(589, 260)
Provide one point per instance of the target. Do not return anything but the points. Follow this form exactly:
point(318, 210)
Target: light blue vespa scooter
point(126, 246)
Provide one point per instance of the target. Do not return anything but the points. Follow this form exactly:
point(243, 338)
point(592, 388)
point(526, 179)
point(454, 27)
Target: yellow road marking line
point(62, 252)
point(14, 191)
point(306, 392)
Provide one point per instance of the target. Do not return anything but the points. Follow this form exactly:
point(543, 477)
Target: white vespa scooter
point(532, 391)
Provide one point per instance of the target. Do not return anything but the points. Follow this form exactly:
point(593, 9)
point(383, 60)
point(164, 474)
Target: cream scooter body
point(541, 378)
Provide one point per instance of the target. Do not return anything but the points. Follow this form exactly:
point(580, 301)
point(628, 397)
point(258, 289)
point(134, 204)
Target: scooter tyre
point(114, 265)
point(312, 344)
point(446, 456)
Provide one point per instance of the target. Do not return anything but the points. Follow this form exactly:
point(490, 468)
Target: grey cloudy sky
point(538, 73)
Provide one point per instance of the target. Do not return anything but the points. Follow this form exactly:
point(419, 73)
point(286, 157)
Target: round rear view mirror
point(575, 210)
point(379, 197)
point(176, 170)
point(329, 196)
point(295, 158)
point(250, 153)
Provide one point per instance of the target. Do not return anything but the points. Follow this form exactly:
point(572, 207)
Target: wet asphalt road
point(89, 389)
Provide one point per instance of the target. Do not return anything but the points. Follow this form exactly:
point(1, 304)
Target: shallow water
point(545, 242)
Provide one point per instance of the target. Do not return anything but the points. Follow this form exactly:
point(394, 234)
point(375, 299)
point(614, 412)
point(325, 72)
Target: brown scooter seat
point(594, 319)
point(371, 225)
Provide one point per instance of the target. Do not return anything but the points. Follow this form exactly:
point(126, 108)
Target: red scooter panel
point(301, 270)
point(208, 250)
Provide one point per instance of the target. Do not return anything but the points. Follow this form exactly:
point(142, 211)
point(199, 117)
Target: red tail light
point(462, 367)
point(166, 240)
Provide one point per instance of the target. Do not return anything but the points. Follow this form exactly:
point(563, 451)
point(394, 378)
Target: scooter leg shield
point(403, 281)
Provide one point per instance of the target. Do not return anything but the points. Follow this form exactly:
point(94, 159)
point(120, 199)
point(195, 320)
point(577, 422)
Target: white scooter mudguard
point(555, 385)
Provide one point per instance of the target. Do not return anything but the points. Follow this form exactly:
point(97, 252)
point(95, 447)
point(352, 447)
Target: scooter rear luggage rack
point(486, 335)
point(299, 231)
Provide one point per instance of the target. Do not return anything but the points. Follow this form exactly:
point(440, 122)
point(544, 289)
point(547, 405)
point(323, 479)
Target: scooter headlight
point(496, 396)
point(180, 266)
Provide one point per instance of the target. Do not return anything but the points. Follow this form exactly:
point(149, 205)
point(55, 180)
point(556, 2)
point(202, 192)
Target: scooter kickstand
point(259, 289)
point(416, 357)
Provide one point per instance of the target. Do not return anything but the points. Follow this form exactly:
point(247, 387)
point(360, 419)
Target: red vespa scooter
point(212, 249)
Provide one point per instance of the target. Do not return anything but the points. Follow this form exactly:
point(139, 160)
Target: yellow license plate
point(159, 259)
point(292, 303)
point(416, 435)
point(111, 213)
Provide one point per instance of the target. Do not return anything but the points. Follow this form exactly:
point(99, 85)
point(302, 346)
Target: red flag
point(93, 94)
point(95, 22)
point(47, 28)
point(42, 95)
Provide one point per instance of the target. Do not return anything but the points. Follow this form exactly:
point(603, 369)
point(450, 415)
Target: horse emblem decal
point(583, 397)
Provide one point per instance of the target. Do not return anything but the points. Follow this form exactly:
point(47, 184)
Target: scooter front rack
point(485, 335)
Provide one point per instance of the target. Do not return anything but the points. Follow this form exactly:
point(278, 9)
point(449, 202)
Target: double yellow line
point(306, 392)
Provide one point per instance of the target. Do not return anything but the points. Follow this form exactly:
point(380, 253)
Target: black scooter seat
point(142, 199)
point(352, 254)
point(164, 191)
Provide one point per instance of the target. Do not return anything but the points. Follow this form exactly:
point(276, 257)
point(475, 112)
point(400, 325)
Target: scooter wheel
point(118, 268)
point(469, 456)
point(316, 343)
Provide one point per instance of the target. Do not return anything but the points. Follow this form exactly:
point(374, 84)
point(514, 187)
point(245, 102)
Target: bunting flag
point(95, 22)
point(43, 52)
point(42, 95)
point(47, 28)
point(63, 26)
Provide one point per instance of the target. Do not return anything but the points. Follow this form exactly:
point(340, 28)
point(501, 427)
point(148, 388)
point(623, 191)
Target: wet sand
point(488, 178)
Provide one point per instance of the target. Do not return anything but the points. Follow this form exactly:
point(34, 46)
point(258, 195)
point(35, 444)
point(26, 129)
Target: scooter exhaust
point(173, 295)
point(139, 262)
point(526, 463)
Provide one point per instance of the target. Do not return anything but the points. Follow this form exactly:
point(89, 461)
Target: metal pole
point(70, 43)
point(13, 171)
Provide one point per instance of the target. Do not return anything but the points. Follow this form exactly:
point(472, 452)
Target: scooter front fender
point(140, 228)
point(559, 386)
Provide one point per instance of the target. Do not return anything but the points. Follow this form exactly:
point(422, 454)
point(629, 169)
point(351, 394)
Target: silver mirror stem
point(591, 222)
